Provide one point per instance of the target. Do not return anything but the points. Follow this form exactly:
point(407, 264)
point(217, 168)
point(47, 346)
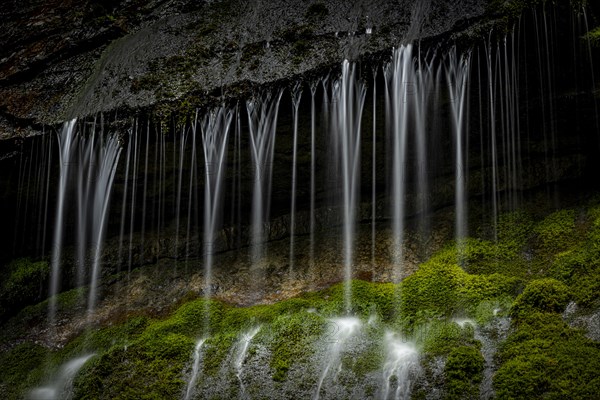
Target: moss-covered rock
point(24, 282)
point(544, 358)
point(442, 288)
point(463, 372)
point(545, 295)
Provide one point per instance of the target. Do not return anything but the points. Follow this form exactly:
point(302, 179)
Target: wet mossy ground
point(529, 271)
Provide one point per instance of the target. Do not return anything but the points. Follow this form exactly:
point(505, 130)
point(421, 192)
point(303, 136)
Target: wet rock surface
point(65, 59)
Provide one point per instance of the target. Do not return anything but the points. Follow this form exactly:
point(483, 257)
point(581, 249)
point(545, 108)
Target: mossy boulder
point(544, 358)
point(464, 372)
point(441, 288)
point(546, 295)
point(24, 282)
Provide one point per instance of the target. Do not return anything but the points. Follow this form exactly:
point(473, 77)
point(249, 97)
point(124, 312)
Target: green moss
point(216, 349)
point(441, 288)
point(593, 36)
point(464, 372)
point(146, 358)
point(557, 231)
point(24, 282)
point(514, 231)
point(21, 369)
point(292, 340)
point(547, 295)
point(439, 337)
point(148, 368)
point(544, 358)
point(489, 309)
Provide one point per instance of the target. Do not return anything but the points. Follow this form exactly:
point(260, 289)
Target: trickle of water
point(402, 363)
point(242, 351)
point(463, 322)
point(344, 329)
point(191, 386)
point(60, 387)
point(296, 96)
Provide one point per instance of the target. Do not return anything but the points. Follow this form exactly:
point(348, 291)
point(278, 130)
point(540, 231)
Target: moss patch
point(544, 358)
point(23, 282)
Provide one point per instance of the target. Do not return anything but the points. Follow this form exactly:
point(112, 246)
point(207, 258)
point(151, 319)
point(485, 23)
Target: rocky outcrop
point(65, 59)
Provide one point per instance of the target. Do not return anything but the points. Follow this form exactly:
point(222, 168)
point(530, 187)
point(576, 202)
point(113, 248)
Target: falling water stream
point(61, 384)
point(197, 359)
point(402, 364)
point(166, 207)
point(242, 350)
point(346, 328)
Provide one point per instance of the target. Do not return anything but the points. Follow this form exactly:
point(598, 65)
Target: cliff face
point(61, 59)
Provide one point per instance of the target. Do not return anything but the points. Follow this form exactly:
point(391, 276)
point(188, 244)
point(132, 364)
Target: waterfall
point(348, 94)
point(262, 120)
point(107, 159)
point(457, 71)
point(215, 133)
point(398, 76)
point(296, 96)
point(65, 144)
point(313, 186)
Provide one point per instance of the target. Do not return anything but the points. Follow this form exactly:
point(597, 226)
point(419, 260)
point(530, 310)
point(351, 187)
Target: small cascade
point(90, 162)
point(191, 386)
point(400, 368)
point(374, 171)
point(296, 92)
point(242, 350)
point(345, 329)
point(398, 73)
point(65, 144)
point(124, 198)
point(490, 337)
point(215, 133)
point(427, 78)
point(457, 72)
point(107, 158)
point(262, 121)
point(180, 171)
point(348, 98)
point(60, 387)
point(313, 156)
point(134, 179)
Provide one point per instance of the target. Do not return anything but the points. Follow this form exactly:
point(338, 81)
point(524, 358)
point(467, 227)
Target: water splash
point(345, 329)
point(61, 385)
point(401, 365)
point(191, 386)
